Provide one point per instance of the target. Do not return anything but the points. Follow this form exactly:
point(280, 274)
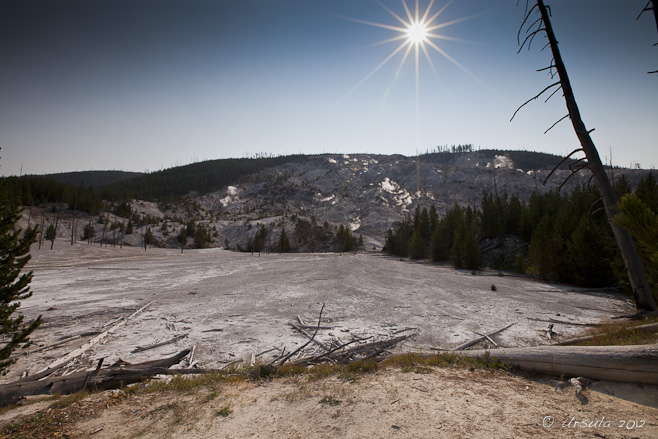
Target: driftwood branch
point(77, 352)
point(343, 355)
point(157, 345)
point(562, 322)
point(110, 378)
point(62, 341)
point(649, 327)
point(307, 335)
point(481, 338)
point(287, 357)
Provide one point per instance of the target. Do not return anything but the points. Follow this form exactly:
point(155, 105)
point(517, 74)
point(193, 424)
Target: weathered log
point(82, 349)
point(287, 357)
point(307, 335)
point(649, 327)
point(339, 355)
point(110, 378)
point(634, 364)
point(481, 338)
point(40, 375)
point(563, 322)
point(157, 345)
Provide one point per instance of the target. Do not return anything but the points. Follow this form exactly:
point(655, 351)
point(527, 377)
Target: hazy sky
point(148, 84)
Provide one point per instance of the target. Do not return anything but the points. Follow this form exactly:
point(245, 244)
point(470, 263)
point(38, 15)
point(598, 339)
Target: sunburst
point(416, 32)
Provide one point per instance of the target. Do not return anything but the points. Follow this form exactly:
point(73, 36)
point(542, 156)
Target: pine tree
point(129, 227)
point(14, 286)
point(457, 251)
point(284, 244)
point(416, 246)
point(51, 233)
point(472, 256)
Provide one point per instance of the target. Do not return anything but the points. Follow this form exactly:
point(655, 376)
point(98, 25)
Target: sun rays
point(416, 31)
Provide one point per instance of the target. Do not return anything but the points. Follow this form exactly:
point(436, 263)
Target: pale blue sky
point(149, 84)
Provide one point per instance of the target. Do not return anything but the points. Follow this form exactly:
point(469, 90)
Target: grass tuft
point(622, 333)
point(67, 400)
point(225, 411)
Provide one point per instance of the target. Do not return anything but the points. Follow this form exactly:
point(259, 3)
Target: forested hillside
point(96, 179)
point(557, 236)
point(474, 208)
point(200, 177)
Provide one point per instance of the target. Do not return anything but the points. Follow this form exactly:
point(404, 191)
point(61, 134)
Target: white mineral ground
point(232, 305)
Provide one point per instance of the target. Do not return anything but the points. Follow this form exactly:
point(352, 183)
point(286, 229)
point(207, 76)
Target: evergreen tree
point(434, 218)
point(14, 286)
point(472, 257)
point(642, 222)
point(583, 269)
point(51, 233)
point(149, 239)
point(416, 246)
point(622, 187)
point(284, 244)
point(390, 246)
point(438, 250)
point(424, 225)
point(88, 232)
point(647, 192)
point(129, 227)
point(345, 239)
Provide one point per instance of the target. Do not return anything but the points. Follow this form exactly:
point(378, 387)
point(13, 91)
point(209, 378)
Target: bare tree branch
point(573, 172)
point(551, 95)
point(527, 15)
point(551, 67)
point(534, 97)
point(561, 119)
point(577, 164)
point(530, 37)
point(646, 8)
point(561, 161)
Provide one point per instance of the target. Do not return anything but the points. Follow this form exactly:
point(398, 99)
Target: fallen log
point(307, 335)
point(631, 364)
point(110, 378)
point(341, 355)
point(649, 327)
point(481, 338)
point(157, 345)
point(82, 349)
point(287, 357)
point(563, 322)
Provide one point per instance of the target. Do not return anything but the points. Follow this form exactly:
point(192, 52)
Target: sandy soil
point(232, 305)
point(431, 403)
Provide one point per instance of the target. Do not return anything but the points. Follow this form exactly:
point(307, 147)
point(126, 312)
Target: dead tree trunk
point(642, 293)
point(110, 378)
point(631, 364)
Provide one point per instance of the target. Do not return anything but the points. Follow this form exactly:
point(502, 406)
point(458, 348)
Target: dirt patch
point(433, 402)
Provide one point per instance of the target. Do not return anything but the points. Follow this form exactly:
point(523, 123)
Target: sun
point(417, 33)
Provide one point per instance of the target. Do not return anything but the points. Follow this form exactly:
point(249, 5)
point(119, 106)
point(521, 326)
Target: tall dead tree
point(650, 7)
point(644, 300)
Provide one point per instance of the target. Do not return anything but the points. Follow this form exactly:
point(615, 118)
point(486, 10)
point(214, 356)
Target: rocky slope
point(364, 192)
